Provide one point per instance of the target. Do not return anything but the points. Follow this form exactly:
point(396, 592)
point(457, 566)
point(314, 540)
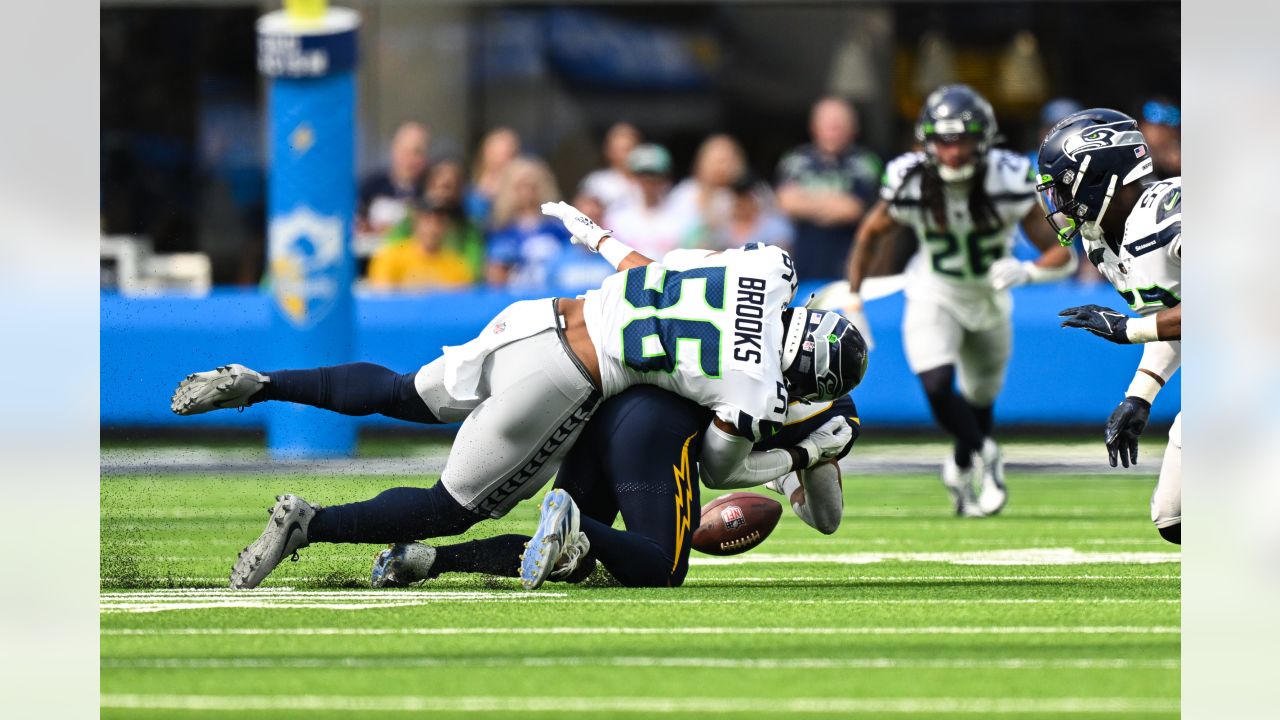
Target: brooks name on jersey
point(706, 326)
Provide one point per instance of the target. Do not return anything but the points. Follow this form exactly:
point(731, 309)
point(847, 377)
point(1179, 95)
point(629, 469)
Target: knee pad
point(1172, 533)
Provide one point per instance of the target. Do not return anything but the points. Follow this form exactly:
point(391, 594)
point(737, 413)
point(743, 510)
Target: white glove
point(853, 313)
point(584, 231)
point(827, 441)
point(1010, 272)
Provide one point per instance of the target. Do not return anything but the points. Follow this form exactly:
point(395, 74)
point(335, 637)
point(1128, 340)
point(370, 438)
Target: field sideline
point(1066, 605)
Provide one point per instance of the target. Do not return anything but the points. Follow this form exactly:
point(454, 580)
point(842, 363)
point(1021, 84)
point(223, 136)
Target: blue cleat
point(557, 546)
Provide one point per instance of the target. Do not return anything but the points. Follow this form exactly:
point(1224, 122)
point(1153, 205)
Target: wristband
point(1144, 385)
point(1142, 330)
point(613, 250)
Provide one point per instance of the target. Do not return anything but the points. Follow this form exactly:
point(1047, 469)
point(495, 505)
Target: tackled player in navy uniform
point(637, 458)
point(963, 197)
point(1097, 184)
point(711, 327)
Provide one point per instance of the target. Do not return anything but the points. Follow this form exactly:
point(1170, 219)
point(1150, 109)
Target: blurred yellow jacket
point(407, 266)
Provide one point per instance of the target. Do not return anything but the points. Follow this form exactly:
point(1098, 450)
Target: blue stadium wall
point(1056, 376)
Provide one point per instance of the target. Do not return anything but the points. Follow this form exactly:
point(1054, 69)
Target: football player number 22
point(669, 331)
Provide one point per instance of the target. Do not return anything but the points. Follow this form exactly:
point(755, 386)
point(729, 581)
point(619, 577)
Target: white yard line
point(867, 663)
point(162, 601)
point(733, 704)
point(625, 630)
point(1021, 556)
point(217, 581)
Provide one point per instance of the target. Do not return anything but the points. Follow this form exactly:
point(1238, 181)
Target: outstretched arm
point(1122, 329)
point(1056, 261)
point(877, 225)
point(595, 238)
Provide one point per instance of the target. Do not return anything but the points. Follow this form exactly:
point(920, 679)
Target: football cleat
point(227, 386)
point(571, 560)
point(402, 565)
point(286, 533)
point(557, 546)
point(960, 484)
point(994, 493)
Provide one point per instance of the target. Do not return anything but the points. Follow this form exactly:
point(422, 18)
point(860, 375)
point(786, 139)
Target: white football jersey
point(705, 326)
point(952, 263)
point(1148, 270)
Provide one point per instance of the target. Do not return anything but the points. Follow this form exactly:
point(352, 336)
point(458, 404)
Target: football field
point(1066, 605)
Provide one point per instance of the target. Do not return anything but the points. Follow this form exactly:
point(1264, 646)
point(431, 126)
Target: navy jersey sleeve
point(796, 430)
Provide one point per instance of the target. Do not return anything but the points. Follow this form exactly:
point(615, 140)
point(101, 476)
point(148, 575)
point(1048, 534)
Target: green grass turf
point(912, 637)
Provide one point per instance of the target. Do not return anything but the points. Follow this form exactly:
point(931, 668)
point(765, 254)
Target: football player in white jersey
point(1096, 183)
point(711, 327)
point(963, 198)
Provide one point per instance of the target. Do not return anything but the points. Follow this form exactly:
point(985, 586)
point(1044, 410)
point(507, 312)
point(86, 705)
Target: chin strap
point(1106, 200)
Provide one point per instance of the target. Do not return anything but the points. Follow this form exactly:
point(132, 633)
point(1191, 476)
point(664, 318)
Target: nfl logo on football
point(732, 517)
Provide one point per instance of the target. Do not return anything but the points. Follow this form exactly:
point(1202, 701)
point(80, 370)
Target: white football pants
point(1166, 501)
point(933, 337)
point(532, 400)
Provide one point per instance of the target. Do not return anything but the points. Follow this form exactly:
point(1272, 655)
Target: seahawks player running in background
point(711, 327)
point(638, 458)
point(1096, 183)
point(962, 197)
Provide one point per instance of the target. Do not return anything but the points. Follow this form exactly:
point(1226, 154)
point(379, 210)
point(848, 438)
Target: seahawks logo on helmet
point(823, 357)
point(1098, 137)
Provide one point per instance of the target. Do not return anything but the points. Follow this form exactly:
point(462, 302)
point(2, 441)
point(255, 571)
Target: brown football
point(735, 523)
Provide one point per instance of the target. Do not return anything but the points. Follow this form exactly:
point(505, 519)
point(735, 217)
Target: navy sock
point(397, 515)
point(351, 389)
point(986, 418)
point(635, 560)
point(499, 555)
point(953, 413)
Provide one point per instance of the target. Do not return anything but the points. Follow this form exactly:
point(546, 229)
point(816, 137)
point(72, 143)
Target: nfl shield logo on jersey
point(732, 517)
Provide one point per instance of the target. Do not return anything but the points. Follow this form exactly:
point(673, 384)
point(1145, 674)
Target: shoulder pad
point(1169, 201)
point(1156, 221)
point(1010, 175)
point(1159, 203)
point(896, 171)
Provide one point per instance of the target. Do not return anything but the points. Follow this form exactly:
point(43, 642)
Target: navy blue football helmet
point(1083, 160)
point(950, 112)
point(823, 354)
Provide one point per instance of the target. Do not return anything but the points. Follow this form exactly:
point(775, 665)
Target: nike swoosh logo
point(1106, 318)
point(1173, 200)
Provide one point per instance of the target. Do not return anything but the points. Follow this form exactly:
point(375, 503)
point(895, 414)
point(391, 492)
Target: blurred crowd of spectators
point(438, 223)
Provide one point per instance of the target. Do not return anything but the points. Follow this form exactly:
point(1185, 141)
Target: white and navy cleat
point(557, 546)
point(227, 386)
point(402, 565)
point(286, 533)
point(994, 493)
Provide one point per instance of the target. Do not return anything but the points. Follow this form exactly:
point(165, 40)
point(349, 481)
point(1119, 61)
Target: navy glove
point(1124, 426)
point(1103, 322)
